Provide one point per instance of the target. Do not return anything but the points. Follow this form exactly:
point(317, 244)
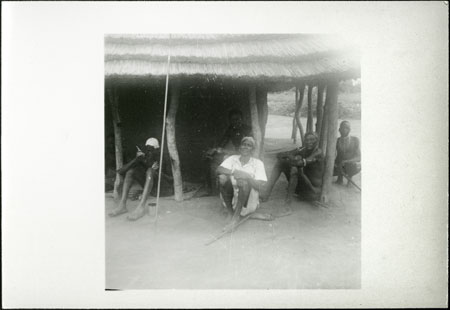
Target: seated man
point(241, 178)
point(144, 170)
point(229, 145)
point(348, 154)
point(303, 168)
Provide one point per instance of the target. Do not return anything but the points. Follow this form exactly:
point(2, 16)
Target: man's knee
point(293, 172)
point(223, 179)
point(243, 185)
point(129, 175)
point(130, 172)
point(281, 164)
point(150, 174)
point(352, 168)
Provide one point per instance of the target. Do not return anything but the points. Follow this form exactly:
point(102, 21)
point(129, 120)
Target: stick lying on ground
point(231, 229)
point(351, 181)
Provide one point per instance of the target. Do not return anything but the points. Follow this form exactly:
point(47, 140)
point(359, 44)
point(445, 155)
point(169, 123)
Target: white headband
point(152, 142)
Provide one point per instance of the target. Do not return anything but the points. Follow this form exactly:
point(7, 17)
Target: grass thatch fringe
point(244, 55)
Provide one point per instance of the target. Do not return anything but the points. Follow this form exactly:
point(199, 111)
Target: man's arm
point(223, 170)
point(299, 161)
point(140, 157)
point(289, 155)
point(256, 184)
point(315, 156)
point(226, 167)
point(356, 152)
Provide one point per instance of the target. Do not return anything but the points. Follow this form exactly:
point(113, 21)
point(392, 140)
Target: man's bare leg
point(292, 185)
point(339, 172)
point(286, 210)
point(244, 193)
point(141, 208)
point(351, 169)
point(274, 175)
point(349, 181)
point(210, 174)
point(340, 178)
point(127, 183)
point(226, 191)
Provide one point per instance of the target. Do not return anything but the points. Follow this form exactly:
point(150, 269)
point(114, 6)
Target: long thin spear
point(162, 138)
point(351, 181)
point(231, 229)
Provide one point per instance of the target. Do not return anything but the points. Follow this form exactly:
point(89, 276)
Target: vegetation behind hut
point(282, 103)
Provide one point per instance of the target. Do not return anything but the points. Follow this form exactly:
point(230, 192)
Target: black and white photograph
point(224, 154)
point(232, 161)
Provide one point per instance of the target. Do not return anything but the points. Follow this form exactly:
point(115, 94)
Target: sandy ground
point(314, 248)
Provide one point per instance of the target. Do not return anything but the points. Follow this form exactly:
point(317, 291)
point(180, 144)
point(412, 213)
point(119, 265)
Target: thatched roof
point(248, 56)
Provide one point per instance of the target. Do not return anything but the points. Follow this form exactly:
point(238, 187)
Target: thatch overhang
point(209, 75)
point(272, 59)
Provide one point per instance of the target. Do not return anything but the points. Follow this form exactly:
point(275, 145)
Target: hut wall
point(201, 120)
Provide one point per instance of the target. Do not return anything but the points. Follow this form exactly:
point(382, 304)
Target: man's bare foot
point(202, 192)
point(284, 211)
point(319, 204)
point(118, 211)
point(136, 214)
point(226, 214)
point(339, 181)
point(228, 217)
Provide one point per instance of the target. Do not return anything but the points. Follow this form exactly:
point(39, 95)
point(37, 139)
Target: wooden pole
point(255, 119)
point(332, 108)
point(319, 111)
point(324, 129)
point(171, 142)
point(309, 122)
point(263, 112)
point(294, 130)
point(161, 154)
point(114, 103)
point(297, 111)
point(294, 120)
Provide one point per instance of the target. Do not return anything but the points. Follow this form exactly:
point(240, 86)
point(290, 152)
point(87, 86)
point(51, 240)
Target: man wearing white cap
point(241, 177)
point(142, 169)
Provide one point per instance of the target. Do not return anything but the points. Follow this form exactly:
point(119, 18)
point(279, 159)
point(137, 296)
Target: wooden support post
point(298, 107)
point(171, 141)
point(255, 119)
point(294, 130)
point(332, 109)
point(309, 122)
point(263, 112)
point(294, 120)
point(319, 111)
point(324, 129)
point(114, 103)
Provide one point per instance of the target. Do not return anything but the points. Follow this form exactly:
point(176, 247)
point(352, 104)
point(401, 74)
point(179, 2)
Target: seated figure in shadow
point(303, 168)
